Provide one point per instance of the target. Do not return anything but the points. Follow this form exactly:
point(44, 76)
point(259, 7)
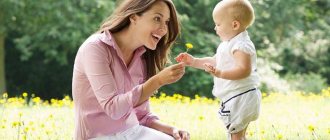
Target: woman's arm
point(95, 65)
point(172, 131)
point(168, 75)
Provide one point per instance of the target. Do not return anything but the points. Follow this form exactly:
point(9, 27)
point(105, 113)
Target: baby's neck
point(237, 33)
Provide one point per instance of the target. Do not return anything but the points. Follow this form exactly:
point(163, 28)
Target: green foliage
point(294, 34)
point(42, 40)
point(309, 83)
point(55, 29)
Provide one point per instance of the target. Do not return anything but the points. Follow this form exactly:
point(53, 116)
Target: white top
point(223, 88)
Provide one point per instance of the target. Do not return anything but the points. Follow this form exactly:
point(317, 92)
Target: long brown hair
point(155, 59)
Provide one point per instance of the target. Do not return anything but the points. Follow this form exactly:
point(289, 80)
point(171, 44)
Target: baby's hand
point(179, 58)
point(185, 58)
point(211, 69)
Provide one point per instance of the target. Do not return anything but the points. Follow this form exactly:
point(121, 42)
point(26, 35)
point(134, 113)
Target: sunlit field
point(291, 116)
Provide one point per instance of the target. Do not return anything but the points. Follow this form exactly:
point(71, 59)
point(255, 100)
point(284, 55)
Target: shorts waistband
point(238, 95)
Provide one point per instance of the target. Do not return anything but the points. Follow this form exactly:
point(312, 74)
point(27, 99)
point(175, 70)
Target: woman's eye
point(157, 18)
point(167, 22)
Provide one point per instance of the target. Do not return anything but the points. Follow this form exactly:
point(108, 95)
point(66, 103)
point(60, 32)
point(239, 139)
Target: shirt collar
point(106, 37)
point(241, 36)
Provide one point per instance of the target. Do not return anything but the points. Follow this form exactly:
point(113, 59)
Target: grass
point(291, 116)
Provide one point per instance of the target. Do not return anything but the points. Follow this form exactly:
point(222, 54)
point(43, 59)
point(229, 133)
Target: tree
point(49, 33)
point(2, 65)
point(2, 50)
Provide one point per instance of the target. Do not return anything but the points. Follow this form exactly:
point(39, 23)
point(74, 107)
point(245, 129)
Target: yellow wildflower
point(36, 100)
point(25, 94)
point(250, 133)
point(262, 132)
point(5, 95)
point(20, 114)
point(201, 118)
point(189, 46)
point(26, 129)
point(311, 128)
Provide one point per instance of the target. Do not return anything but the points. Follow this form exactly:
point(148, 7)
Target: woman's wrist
point(151, 85)
point(157, 81)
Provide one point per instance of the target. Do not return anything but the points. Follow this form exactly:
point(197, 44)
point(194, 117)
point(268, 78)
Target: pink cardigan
point(105, 91)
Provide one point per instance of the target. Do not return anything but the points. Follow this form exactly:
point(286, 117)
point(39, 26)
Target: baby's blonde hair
point(240, 10)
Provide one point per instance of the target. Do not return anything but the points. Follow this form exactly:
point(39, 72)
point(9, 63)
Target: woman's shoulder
point(94, 41)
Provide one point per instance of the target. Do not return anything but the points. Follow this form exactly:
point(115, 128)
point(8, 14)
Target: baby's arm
point(194, 62)
point(199, 62)
point(241, 70)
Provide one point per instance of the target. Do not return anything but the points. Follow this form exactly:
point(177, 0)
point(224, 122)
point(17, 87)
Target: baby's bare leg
point(239, 135)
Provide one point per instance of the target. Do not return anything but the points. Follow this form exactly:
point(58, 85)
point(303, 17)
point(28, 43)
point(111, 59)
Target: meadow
point(289, 116)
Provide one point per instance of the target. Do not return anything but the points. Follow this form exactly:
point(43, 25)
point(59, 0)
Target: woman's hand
point(180, 134)
point(171, 74)
point(185, 58)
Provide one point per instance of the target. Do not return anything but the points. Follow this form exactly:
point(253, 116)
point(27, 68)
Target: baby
point(233, 67)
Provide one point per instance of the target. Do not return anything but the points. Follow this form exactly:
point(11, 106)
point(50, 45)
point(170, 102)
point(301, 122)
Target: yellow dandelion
point(31, 123)
point(328, 130)
point(311, 128)
point(26, 129)
point(201, 118)
point(51, 116)
point(2, 101)
point(25, 94)
point(5, 95)
point(279, 136)
point(20, 114)
point(262, 132)
point(189, 46)
point(250, 133)
point(36, 100)
point(14, 124)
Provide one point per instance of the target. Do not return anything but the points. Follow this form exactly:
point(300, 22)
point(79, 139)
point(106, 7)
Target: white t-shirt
point(223, 88)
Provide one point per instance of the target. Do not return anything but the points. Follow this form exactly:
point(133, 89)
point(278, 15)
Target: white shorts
point(137, 132)
point(238, 111)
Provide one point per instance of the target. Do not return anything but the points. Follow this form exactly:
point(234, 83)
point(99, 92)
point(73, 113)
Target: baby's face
point(223, 25)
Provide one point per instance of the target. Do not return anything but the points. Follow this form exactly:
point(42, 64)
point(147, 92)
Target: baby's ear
point(236, 25)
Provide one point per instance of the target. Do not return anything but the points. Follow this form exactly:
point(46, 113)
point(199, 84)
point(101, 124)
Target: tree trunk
point(2, 65)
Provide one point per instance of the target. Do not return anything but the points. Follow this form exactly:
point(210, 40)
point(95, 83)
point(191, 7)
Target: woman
point(118, 68)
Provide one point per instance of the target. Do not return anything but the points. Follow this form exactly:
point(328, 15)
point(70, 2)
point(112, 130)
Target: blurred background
point(39, 40)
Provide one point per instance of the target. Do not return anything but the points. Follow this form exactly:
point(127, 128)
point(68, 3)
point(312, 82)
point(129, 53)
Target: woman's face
point(152, 25)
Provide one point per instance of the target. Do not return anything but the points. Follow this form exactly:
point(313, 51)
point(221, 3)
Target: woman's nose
point(163, 28)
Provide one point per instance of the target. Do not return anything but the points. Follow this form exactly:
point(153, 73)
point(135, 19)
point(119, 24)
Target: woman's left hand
point(180, 134)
